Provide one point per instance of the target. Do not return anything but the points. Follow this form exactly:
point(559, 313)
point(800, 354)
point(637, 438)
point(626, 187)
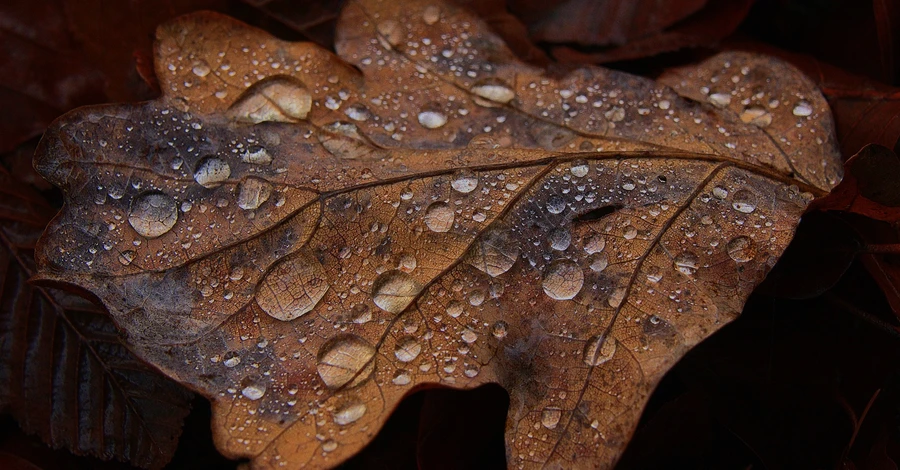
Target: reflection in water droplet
point(153, 214)
point(803, 109)
point(211, 172)
point(744, 201)
point(293, 287)
point(687, 263)
point(494, 253)
point(432, 119)
point(550, 417)
point(500, 329)
point(254, 391)
point(563, 280)
point(253, 192)
point(439, 217)
point(598, 350)
point(408, 349)
point(741, 249)
point(345, 360)
point(394, 290)
point(349, 412)
point(757, 116)
point(464, 181)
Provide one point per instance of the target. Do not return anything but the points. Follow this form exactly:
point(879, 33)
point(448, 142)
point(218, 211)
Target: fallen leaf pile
point(305, 238)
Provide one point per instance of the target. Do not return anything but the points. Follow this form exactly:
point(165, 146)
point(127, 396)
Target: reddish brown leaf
point(65, 375)
point(305, 242)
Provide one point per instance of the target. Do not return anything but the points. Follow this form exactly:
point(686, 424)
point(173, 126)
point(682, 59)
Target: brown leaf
point(65, 374)
point(305, 242)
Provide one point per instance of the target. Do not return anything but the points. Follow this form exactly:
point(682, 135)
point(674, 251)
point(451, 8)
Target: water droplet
point(598, 262)
point(719, 192)
point(616, 297)
point(390, 32)
point(329, 445)
point(550, 417)
point(345, 360)
point(579, 169)
point(556, 204)
point(394, 290)
point(455, 309)
point(598, 350)
point(253, 192)
point(595, 244)
point(431, 15)
point(744, 201)
point(231, 359)
point(559, 239)
point(280, 99)
point(358, 112)
point(654, 274)
point(495, 91)
point(630, 232)
point(126, 257)
point(757, 116)
point(407, 263)
point(408, 349)
point(803, 109)
point(563, 280)
point(153, 214)
point(211, 172)
point(741, 249)
point(256, 155)
point(500, 329)
point(469, 336)
point(201, 69)
point(439, 217)
point(293, 287)
point(720, 99)
point(254, 391)
point(687, 263)
point(401, 377)
point(494, 253)
point(349, 412)
point(464, 181)
point(432, 119)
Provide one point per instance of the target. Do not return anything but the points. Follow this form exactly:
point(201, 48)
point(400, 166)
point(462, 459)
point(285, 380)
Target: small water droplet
point(254, 391)
point(329, 445)
point(719, 192)
point(349, 412)
point(495, 91)
point(741, 249)
point(211, 172)
point(253, 192)
point(803, 109)
point(401, 377)
point(550, 417)
point(464, 181)
point(256, 155)
point(563, 280)
point(408, 349)
point(439, 217)
point(687, 263)
point(454, 309)
point(616, 297)
point(201, 69)
point(654, 274)
point(126, 257)
point(358, 112)
point(579, 169)
point(744, 201)
point(394, 290)
point(599, 349)
point(469, 336)
point(500, 329)
point(432, 119)
point(345, 360)
point(720, 99)
point(630, 232)
point(757, 116)
point(153, 214)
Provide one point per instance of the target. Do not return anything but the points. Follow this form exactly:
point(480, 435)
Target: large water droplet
point(563, 280)
point(616, 297)
point(394, 290)
point(329, 445)
point(556, 204)
point(280, 99)
point(687, 263)
point(560, 239)
point(153, 214)
point(358, 112)
point(254, 391)
point(431, 15)
point(803, 109)
point(757, 116)
point(201, 69)
point(256, 155)
point(494, 253)
point(349, 412)
point(599, 349)
point(464, 181)
point(495, 91)
point(720, 99)
point(550, 417)
point(408, 349)
point(630, 232)
point(579, 169)
point(253, 193)
point(345, 360)
point(595, 244)
point(391, 33)
point(211, 172)
point(598, 262)
point(744, 201)
point(500, 329)
point(293, 287)
point(432, 119)
point(439, 217)
point(741, 249)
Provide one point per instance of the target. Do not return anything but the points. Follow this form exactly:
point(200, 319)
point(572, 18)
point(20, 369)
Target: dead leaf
point(305, 244)
point(66, 375)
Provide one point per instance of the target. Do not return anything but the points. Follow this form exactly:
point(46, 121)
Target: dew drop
point(744, 201)
point(153, 214)
point(469, 336)
point(454, 309)
point(401, 377)
point(358, 112)
point(211, 172)
point(803, 109)
point(595, 244)
point(719, 192)
point(349, 412)
point(293, 287)
point(253, 192)
point(201, 69)
point(579, 169)
point(630, 232)
point(329, 445)
point(391, 31)
point(598, 262)
point(345, 360)
point(231, 359)
point(408, 349)
point(560, 239)
point(495, 91)
point(494, 253)
point(254, 391)
point(616, 297)
point(439, 217)
point(550, 417)
point(432, 119)
point(563, 280)
point(431, 15)
point(281, 99)
point(687, 263)
point(256, 155)
point(126, 257)
point(500, 329)
point(720, 99)
point(654, 274)
point(599, 349)
point(464, 181)
point(394, 290)
point(556, 204)
point(741, 249)
point(757, 116)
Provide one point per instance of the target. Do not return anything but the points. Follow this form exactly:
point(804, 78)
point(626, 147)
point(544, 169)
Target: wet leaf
point(66, 375)
point(305, 241)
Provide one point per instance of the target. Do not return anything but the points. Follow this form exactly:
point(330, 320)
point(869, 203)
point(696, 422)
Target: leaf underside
point(305, 240)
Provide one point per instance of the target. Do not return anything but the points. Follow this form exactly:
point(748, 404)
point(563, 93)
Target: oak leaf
point(305, 240)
